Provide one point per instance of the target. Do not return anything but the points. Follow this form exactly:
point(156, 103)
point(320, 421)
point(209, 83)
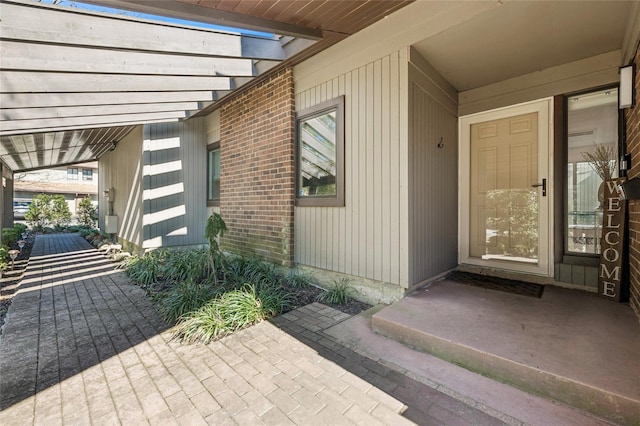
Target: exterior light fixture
point(21, 244)
point(625, 94)
point(13, 254)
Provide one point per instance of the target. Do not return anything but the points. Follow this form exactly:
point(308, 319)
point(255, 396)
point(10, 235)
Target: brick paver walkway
point(81, 345)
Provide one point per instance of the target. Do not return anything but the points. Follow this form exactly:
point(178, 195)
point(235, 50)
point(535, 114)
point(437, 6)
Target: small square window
point(320, 155)
point(213, 174)
point(72, 174)
point(87, 174)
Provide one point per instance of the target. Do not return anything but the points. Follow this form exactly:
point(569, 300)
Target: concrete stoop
point(423, 326)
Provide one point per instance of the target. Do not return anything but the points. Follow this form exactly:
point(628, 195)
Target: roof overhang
point(72, 82)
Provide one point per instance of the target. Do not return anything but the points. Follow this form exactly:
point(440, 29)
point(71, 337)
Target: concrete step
point(568, 346)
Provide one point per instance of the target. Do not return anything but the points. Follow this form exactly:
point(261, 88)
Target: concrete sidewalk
point(82, 345)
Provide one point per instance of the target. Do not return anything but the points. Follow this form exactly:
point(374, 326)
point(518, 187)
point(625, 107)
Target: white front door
point(505, 189)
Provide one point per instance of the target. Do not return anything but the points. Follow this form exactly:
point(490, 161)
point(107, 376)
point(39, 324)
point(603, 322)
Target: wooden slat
point(362, 238)
point(40, 100)
point(95, 110)
point(27, 56)
point(45, 82)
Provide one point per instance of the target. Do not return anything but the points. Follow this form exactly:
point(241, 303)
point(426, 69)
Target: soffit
point(522, 37)
point(75, 82)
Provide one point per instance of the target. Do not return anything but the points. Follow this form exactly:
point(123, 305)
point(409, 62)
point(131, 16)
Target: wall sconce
point(625, 94)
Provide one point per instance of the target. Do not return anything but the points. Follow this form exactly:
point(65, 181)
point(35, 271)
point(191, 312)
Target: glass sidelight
point(592, 141)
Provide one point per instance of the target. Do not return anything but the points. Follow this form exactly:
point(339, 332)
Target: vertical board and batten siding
point(364, 237)
point(121, 169)
point(433, 172)
point(186, 210)
point(434, 186)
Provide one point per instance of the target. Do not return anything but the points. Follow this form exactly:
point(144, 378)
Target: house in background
point(383, 158)
point(386, 142)
point(74, 182)
point(389, 147)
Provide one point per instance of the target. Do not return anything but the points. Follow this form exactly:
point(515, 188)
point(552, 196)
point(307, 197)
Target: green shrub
point(144, 270)
point(231, 312)
point(87, 215)
point(297, 278)
point(60, 215)
point(339, 294)
point(39, 212)
point(214, 230)
point(183, 298)
point(20, 227)
point(186, 265)
point(234, 273)
point(261, 273)
point(4, 253)
point(10, 236)
point(84, 232)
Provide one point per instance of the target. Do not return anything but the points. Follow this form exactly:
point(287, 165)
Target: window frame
point(74, 173)
point(212, 202)
point(573, 257)
point(88, 176)
point(337, 200)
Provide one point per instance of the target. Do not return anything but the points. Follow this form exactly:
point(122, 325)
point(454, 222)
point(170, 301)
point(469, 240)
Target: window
point(72, 174)
point(87, 174)
point(320, 155)
point(592, 132)
point(213, 174)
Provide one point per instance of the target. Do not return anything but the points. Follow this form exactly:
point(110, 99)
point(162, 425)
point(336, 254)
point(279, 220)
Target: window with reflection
point(592, 143)
point(213, 174)
point(320, 155)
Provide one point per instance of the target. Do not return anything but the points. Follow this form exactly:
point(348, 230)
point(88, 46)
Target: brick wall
point(257, 185)
point(633, 147)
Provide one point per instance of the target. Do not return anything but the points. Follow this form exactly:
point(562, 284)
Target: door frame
point(544, 108)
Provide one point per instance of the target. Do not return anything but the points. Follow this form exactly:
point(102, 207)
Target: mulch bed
point(310, 294)
point(10, 282)
point(10, 279)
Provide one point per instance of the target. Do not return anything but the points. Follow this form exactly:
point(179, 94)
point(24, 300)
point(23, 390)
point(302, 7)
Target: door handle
point(543, 185)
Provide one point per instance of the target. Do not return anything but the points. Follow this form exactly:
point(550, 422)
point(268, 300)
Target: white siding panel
point(178, 219)
point(362, 238)
point(121, 169)
point(433, 180)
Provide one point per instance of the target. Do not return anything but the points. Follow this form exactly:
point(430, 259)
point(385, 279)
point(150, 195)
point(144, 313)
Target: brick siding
point(257, 186)
point(633, 147)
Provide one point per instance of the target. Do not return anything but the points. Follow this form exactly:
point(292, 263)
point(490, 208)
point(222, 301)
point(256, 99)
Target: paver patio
point(82, 345)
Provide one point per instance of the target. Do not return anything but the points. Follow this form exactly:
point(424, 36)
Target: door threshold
point(501, 273)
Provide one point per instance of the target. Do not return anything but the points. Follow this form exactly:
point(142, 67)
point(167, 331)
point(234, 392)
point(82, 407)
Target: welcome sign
point(612, 244)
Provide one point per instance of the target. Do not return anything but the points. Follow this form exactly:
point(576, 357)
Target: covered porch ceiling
point(68, 95)
point(74, 82)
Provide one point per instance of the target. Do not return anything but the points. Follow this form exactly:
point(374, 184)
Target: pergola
point(73, 82)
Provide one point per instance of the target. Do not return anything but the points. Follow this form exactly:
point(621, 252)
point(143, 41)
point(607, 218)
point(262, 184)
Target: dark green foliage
point(297, 278)
point(47, 210)
point(10, 236)
point(60, 215)
point(39, 211)
point(183, 298)
point(230, 312)
point(87, 215)
point(4, 253)
point(20, 227)
point(143, 270)
point(339, 294)
point(234, 273)
point(261, 273)
point(186, 265)
point(214, 230)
